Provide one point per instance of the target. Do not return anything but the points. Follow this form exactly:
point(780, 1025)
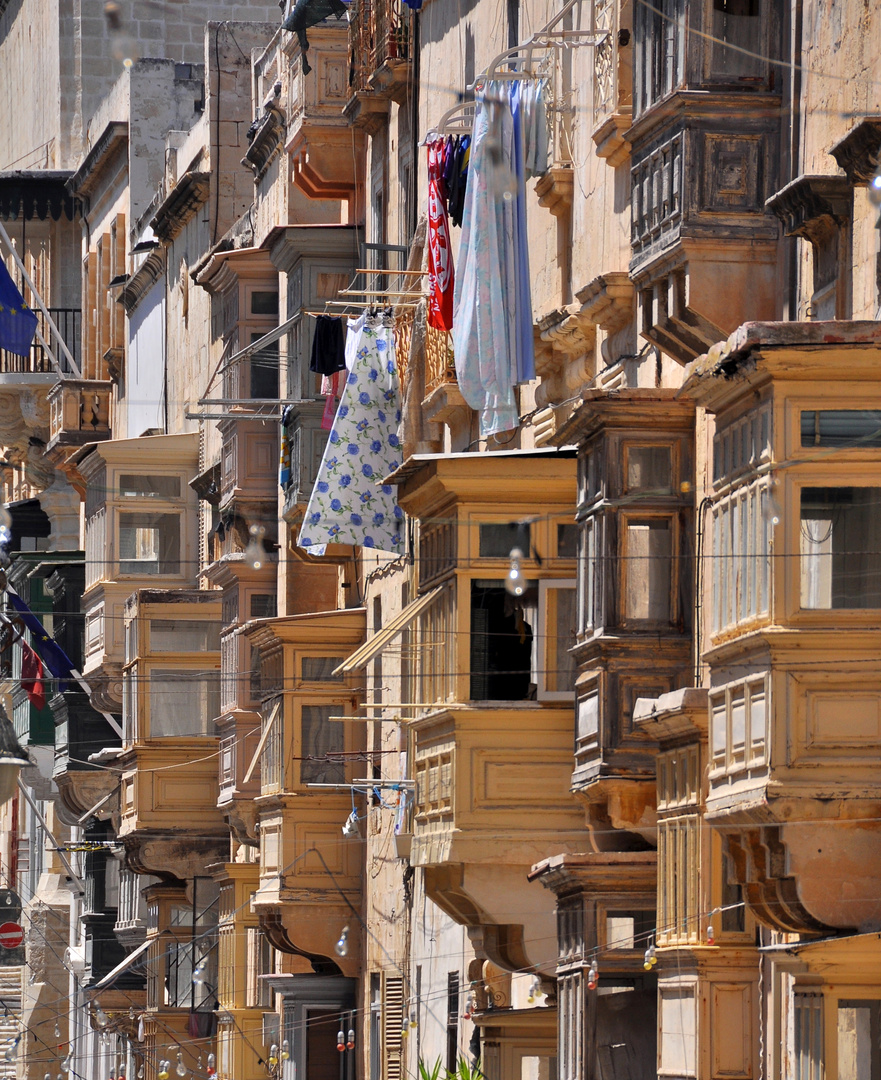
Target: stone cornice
point(88, 175)
point(188, 194)
point(805, 201)
point(142, 280)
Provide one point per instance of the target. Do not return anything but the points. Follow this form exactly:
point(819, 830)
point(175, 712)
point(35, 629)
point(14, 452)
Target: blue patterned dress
point(348, 505)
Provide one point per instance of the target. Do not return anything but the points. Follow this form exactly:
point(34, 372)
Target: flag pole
point(4, 235)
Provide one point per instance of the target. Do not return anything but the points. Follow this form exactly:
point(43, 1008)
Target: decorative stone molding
point(808, 205)
point(267, 140)
point(858, 152)
point(555, 189)
point(190, 192)
point(607, 301)
point(611, 145)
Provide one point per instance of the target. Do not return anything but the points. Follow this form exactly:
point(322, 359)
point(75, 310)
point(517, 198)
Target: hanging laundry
point(536, 140)
point(456, 177)
point(284, 457)
point(348, 505)
point(306, 13)
point(492, 313)
point(415, 5)
point(524, 350)
point(328, 345)
point(330, 387)
point(440, 257)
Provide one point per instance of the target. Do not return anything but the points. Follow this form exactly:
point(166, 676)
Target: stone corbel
point(611, 145)
point(555, 189)
point(607, 301)
point(812, 206)
point(857, 153)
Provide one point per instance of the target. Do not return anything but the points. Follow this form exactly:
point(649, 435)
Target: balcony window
point(648, 470)
point(859, 1036)
point(323, 743)
point(183, 703)
point(498, 540)
point(149, 543)
point(742, 555)
point(840, 548)
point(659, 36)
point(149, 487)
point(738, 41)
point(557, 620)
point(808, 1025)
point(321, 668)
point(647, 550)
point(184, 635)
point(263, 366)
point(502, 630)
point(853, 428)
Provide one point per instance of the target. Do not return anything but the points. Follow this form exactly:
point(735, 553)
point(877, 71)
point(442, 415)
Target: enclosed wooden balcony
point(310, 877)
point(495, 682)
point(791, 624)
point(381, 61)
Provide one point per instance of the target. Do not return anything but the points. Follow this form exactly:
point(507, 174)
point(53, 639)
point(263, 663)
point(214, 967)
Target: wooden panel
point(731, 1031)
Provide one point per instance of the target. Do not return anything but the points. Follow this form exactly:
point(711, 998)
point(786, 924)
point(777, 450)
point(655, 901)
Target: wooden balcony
point(492, 798)
point(310, 878)
point(79, 412)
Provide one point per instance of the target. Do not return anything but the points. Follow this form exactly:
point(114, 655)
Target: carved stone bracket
point(607, 301)
point(810, 204)
point(555, 189)
point(858, 152)
point(609, 137)
point(759, 859)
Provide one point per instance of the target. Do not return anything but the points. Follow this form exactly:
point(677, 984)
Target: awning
point(380, 640)
point(123, 966)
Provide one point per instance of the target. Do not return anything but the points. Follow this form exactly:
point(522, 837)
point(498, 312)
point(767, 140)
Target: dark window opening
point(452, 1021)
point(264, 303)
point(738, 41)
point(264, 370)
point(498, 540)
point(502, 628)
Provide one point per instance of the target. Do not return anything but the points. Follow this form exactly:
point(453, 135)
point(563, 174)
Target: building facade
point(556, 760)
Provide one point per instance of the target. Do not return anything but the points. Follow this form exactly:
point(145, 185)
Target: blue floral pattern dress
point(348, 504)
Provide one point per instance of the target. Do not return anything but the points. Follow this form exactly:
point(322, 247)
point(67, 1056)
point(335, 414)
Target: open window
point(647, 546)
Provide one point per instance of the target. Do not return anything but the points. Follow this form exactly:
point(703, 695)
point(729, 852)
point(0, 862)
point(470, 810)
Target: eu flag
point(18, 323)
point(46, 647)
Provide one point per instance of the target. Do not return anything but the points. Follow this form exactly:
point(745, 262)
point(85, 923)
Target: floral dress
point(348, 504)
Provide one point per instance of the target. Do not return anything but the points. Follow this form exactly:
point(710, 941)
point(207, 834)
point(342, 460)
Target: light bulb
point(198, 976)
point(650, 959)
point(120, 1072)
point(65, 1065)
point(47, 1076)
point(140, 1072)
point(163, 1070)
point(101, 1017)
point(711, 934)
point(342, 946)
point(57, 1032)
point(875, 187)
point(593, 977)
point(255, 553)
point(212, 1062)
point(285, 1050)
point(12, 1048)
point(273, 1054)
point(341, 1040)
point(350, 1039)
point(515, 582)
point(414, 1020)
point(180, 1068)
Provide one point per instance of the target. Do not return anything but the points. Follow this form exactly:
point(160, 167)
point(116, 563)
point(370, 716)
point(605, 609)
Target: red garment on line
point(32, 677)
point(440, 256)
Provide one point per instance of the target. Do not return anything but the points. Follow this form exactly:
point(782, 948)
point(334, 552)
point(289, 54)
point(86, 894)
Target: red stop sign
point(11, 935)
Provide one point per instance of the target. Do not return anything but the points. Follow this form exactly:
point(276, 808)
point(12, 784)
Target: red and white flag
point(440, 257)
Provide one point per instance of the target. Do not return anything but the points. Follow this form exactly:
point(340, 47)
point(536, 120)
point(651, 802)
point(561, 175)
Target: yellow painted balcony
point(310, 874)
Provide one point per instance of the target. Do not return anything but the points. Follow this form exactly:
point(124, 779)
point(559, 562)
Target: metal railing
point(379, 31)
point(69, 323)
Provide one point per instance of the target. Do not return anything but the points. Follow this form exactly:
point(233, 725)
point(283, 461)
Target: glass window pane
point(264, 606)
point(321, 668)
point(841, 427)
point(321, 737)
point(264, 370)
point(567, 540)
point(649, 470)
point(840, 548)
point(560, 622)
point(264, 302)
point(498, 540)
point(648, 553)
point(162, 487)
point(183, 635)
point(183, 703)
point(149, 543)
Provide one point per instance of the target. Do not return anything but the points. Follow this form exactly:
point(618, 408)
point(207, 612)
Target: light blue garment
point(492, 320)
point(348, 505)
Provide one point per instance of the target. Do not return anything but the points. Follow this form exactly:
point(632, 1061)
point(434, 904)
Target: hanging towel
point(328, 345)
point(348, 505)
point(440, 257)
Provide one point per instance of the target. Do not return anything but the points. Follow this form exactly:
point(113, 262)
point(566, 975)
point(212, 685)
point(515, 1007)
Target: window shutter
point(392, 1025)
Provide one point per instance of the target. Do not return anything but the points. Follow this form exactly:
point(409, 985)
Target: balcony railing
point(379, 32)
point(69, 323)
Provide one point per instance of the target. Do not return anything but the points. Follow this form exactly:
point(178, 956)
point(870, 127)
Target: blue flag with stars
point(18, 323)
point(46, 647)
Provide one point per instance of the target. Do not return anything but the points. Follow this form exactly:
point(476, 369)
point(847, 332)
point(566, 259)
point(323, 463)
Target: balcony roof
point(39, 193)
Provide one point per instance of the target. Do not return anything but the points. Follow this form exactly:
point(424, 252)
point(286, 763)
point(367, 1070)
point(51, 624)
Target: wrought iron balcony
point(37, 362)
point(380, 43)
